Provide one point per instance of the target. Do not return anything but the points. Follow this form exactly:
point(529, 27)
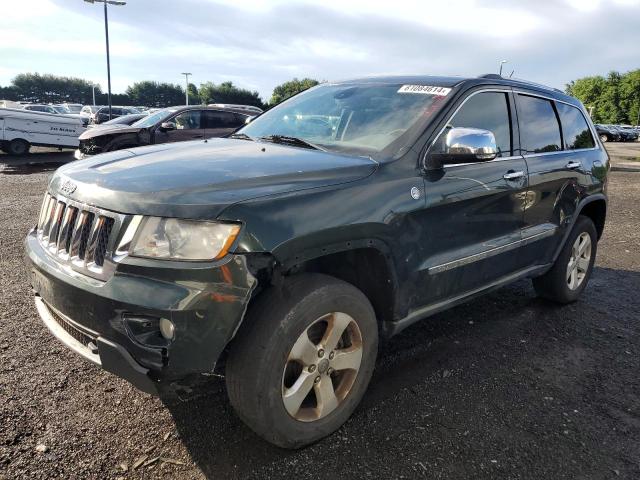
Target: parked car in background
point(177, 124)
point(606, 133)
point(244, 108)
point(124, 120)
point(22, 128)
point(102, 115)
point(627, 133)
point(283, 253)
point(56, 110)
point(73, 107)
point(89, 110)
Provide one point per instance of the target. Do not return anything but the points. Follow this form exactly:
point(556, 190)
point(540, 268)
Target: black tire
point(18, 147)
point(554, 284)
point(258, 358)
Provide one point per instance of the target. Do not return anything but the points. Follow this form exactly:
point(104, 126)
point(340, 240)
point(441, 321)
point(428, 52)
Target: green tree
point(194, 97)
point(37, 88)
point(154, 94)
point(227, 92)
point(290, 88)
point(614, 99)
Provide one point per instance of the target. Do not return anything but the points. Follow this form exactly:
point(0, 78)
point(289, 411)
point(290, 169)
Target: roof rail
point(493, 76)
point(535, 84)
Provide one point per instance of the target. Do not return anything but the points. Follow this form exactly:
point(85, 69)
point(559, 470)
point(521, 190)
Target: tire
point(559, 284)
point(604, 138)
point(261, 376)
point(18, 147)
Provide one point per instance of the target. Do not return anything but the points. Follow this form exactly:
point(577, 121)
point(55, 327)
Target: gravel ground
point(508, 386)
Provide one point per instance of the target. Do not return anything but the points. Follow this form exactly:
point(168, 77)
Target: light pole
point(106, 34)
point(502, 62)
point(93, 93)
point(186, 90)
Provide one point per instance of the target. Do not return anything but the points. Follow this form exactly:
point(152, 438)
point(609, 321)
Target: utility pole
point(106, 34)
point(186, 90)
point(93, 93)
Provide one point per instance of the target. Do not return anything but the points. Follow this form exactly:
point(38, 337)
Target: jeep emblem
point(68, 187)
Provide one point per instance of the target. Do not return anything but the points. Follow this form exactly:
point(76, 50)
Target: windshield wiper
point(295, 141)
point(241, 136)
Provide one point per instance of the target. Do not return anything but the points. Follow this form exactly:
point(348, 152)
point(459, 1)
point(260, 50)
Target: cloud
point(259, 43)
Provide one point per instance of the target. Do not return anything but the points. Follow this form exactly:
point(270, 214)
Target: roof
point(454, 81)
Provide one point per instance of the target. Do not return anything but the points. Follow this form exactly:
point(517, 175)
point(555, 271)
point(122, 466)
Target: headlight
point(175, 239)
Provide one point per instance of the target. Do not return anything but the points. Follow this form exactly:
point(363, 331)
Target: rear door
point(218, 123)
point(556, 142)
point(473, 213)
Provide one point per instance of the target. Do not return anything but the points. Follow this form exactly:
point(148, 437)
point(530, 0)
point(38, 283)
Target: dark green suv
point(280, 255)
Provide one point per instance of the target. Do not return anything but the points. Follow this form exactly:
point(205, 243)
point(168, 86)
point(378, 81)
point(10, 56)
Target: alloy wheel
point(322, 366)
point(579, 261)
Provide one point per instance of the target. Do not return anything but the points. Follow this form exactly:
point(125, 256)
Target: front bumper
point(206, 304)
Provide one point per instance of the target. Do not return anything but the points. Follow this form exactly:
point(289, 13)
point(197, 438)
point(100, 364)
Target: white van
point(19, 129)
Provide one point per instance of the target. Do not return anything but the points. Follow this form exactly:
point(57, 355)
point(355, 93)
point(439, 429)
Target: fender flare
point(574, 218)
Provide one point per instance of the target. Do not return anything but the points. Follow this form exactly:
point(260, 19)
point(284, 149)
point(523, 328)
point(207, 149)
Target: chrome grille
point(79, 235)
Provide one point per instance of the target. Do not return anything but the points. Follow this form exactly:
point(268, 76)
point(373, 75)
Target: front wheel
point(571, 272)
point(18, 147)
point(303, 359)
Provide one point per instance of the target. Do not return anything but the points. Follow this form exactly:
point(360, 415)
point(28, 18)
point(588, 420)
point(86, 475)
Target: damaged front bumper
point(115, 323)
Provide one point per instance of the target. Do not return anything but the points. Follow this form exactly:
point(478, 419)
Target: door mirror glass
point(465, 145)
point(166, 126)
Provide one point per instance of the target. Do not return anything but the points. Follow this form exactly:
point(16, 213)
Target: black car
point(124, 120)
point(102, 114)
point(627, 133)
point(281, 255)
point(607, 134)
point(177, 124)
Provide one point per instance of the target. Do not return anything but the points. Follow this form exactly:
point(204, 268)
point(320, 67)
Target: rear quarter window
point(574, 127)
point(539, 127)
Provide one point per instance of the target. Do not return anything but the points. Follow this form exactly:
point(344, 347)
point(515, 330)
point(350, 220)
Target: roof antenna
point(511, 74)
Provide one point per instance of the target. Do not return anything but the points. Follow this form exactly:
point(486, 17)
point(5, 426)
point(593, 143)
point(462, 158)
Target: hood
point(107, 130)
point(200, 179)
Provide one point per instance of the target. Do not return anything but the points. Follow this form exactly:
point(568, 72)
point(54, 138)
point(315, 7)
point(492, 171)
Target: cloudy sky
point(260, 43)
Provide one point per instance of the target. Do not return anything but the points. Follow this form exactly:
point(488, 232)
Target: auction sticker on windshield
point(424, 89)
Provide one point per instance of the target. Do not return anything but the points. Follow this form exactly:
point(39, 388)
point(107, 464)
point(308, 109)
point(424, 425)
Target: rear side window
point(539, 128)
point(488, 111)
point(574, 127)
point(215, 119)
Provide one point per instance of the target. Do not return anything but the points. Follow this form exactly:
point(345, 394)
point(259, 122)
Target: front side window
point(487, 111)
point(358, 118)
point(574, 127)
point(539, 128)
point(187, 120)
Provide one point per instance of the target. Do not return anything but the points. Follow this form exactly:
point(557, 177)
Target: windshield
point(154, 118)
point(356, 118)
point(60, 109)
point(74, 108)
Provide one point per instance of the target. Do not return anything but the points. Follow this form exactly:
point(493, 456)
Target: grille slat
point(77, 234)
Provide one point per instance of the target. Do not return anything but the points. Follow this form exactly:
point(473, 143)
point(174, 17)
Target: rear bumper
point(114, 323)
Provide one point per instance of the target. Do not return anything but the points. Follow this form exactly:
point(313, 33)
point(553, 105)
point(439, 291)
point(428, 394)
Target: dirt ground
point(507, 386)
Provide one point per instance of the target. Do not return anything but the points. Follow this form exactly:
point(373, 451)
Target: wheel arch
point(595, 207)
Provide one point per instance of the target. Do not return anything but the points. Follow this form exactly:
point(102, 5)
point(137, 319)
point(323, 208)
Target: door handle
point(572, 165)
point(513, 175)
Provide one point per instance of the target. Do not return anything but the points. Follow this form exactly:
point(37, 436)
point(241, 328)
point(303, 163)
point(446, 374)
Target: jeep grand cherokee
point(338, 218)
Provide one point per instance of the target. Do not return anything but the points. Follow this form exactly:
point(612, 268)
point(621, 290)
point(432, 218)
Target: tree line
point(613, 99)
point(47, 88)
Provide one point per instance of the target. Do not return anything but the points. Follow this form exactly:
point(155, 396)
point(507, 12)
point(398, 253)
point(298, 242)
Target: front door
point(186, 125)
point(474, 212)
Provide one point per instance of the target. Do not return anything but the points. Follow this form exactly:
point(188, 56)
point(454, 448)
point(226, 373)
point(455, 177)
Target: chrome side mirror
point(166, 126)
point(464, 145)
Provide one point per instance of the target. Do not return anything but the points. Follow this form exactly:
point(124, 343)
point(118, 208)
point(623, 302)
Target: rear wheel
point(571, 272)
point(604, 138)
point(303, 360)
point(17, 146)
